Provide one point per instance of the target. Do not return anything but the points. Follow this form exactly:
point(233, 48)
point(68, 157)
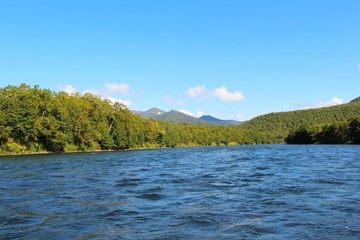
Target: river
point(235, 192)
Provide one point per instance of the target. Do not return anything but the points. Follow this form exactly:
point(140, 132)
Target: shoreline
point(105, 151)
point(90, 151)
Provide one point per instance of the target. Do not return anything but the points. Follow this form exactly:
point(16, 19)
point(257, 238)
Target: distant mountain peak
point(151, 113)
point(180, 117)
point(157, 111)
point(217, 121)
point(209, 118)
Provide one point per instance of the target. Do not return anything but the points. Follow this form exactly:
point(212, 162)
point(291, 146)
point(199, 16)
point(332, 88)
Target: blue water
point(240, 192)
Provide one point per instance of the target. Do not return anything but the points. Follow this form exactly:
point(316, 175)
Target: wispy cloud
point(95, 91)
point(227, 96)
point(111, 89)
point(197, 114)
point(172, 102)
point(118, 87)
point(70, 89)
point(222, 93)
point(358, 66)
point(332, 102)
point(303, 106)
point(198, 91)
point(114, 100)
point(239, 118)
point(186, 112)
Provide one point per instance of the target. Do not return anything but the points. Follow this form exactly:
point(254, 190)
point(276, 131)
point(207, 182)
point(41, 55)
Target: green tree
point(354, 130)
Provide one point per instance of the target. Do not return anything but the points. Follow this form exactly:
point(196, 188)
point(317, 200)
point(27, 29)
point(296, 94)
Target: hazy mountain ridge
point(179, 117)
point(218, 121)
point(151, 113)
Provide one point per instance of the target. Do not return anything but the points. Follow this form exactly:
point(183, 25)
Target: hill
point(279, 125)
point(355, 100)
point(335, 133)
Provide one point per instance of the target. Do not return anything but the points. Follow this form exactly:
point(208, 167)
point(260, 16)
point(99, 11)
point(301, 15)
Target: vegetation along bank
point(39, 120)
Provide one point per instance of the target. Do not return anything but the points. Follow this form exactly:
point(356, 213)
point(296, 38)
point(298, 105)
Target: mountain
point(151, 113)
point(217, 121)
point(171, 116)
point(179, 117)
point(275, 126)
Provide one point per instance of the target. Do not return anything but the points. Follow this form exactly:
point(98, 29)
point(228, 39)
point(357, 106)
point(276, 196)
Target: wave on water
point(241, 192)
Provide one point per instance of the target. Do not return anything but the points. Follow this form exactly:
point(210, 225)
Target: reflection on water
point(243, 192)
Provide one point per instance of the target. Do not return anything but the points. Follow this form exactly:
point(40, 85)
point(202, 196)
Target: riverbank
point(87, 151)
point(25, 153)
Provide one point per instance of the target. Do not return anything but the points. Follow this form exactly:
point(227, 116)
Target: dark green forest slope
point(335, 133)
point(279, 125)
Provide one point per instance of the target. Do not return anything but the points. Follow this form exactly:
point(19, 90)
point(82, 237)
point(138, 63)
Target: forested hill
point(355, 100)
point(279, 125)
point(39, 120)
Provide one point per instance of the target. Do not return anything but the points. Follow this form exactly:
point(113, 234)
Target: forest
point(335, 133)
point(36, 120)
point(279, 125)
point(39, 120)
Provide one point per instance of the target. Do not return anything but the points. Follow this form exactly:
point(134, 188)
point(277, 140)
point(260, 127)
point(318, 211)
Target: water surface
point(240, 192)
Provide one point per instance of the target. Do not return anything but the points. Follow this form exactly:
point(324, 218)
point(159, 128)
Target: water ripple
point(243, 192)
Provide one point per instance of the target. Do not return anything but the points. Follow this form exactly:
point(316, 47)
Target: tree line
point(279, 125)
point(335, 133)
point(37, 120)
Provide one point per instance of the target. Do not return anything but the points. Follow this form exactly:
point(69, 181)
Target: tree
point(354, 130)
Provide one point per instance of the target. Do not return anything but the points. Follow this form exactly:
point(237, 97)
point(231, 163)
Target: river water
point(237, 192)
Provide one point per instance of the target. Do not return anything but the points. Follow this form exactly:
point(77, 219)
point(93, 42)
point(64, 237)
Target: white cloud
point(118, 87)
point(127, 103)
point(307, 105)
point(109, 88)
point(222, 93)
point(239, 118)
point(200, 113)
point(197, 114)
point(303, 105)
point(186, 112)
point(334, 101)
point(172, 102)
point(358, 66)
point(197, 91)
point(70, 89)
point(94, 91)
point(227, 96)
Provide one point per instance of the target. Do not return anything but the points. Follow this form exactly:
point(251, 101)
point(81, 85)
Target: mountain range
point(275, 126)
point(179, 117)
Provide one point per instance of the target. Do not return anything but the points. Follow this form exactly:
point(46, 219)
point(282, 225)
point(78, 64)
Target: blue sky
point(231, 59)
